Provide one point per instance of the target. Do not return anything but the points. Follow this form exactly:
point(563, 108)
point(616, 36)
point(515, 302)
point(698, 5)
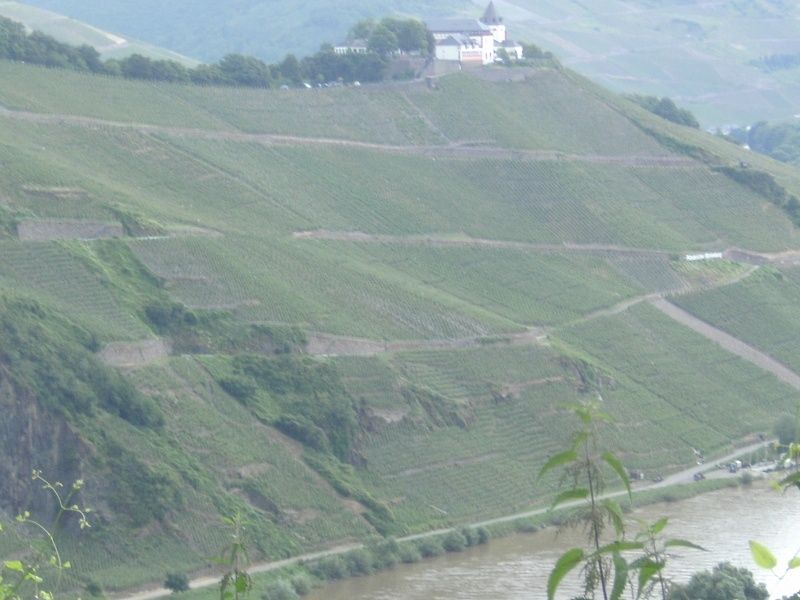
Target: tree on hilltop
point(382, 41)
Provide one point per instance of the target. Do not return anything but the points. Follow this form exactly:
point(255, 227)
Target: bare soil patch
point(325, 344)
point(45, 230)
point(388, 415)
point(55, 193)
point(135, 354)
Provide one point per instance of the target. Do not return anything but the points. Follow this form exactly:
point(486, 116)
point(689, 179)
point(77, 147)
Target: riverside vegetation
point(354, 313)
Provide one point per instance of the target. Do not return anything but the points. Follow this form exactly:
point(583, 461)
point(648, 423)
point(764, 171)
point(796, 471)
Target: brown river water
point(516, 567)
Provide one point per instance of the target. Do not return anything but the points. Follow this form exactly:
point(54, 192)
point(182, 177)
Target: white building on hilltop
point(494, 23)
point(473, 42)
point(465, 40)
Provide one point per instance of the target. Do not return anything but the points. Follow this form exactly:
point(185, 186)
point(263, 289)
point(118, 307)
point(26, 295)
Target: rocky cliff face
point(32, 438)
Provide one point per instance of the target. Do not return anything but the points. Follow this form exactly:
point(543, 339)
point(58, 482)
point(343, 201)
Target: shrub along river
point(517, 567)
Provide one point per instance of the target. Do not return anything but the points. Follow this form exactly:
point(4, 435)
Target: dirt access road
point(452, 150)
point(728, 342)
point(445, 241)
point(682, 477)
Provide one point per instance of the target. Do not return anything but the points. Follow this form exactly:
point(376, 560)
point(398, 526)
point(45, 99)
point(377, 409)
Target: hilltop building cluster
point(468, 42)
point(473, 42)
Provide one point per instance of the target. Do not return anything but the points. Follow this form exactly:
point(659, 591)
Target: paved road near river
point(681, 477)
point(517, 567)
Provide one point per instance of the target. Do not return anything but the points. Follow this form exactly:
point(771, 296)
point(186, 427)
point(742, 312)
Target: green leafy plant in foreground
point(26, 577)
point(606, 568)
point(236, 581)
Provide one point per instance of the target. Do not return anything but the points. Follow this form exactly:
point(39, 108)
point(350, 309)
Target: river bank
point(529, 529)
point(675, 487)
point(517, 566)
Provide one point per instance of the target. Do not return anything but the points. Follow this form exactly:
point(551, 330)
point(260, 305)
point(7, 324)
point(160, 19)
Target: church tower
point(494, 23)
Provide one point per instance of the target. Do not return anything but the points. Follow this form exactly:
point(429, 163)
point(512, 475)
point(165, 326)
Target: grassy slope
point(224, 461)
point(483, 419)
point(687, 379)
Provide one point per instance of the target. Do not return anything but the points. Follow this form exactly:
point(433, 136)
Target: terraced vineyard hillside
point(357, 312)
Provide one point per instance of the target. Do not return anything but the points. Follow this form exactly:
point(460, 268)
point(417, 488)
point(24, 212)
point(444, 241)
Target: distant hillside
point(781, 141)
point(729, 62)
point(712, 58)
point(268, 29)
point(351, 312)
point(78, 33)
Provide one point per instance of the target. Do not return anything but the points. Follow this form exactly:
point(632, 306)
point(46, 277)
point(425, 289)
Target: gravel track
point(453, 151)
point(728, 342)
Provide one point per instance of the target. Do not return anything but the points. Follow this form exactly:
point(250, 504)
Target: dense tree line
point(385, 38)
point(781, 141)
point(666, 109)
point(392, 35)
point(41, 49)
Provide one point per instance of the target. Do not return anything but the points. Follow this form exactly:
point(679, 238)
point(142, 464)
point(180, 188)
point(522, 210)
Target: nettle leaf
point(14, 565)
point(648, 572)
point(579, 439)
point(762, 555)
point(562, 458)
point(617, 518)
point(793, 479)
point(675, 543)
point(615, 464)
point(242, 583)
point(603, 416)
point(620, 546)
point(33, 577)
point(620, 577)
point(570, 495)
point(659, 526)
point(568, 561)
point(584, 414)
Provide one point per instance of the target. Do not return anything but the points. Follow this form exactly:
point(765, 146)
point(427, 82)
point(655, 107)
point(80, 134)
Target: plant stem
point(595, 528)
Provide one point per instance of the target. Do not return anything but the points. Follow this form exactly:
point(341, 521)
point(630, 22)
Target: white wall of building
point(448, 52)
point(499, 32)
